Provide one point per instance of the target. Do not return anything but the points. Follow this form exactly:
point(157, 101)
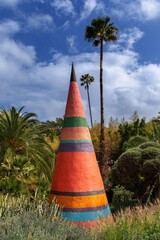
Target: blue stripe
point(76, 147)
point(86, 216)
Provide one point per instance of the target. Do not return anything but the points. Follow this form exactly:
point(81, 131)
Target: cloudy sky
point(39, 40)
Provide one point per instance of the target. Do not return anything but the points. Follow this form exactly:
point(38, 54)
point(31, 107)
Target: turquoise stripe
point(86, 216)
point(75, 141)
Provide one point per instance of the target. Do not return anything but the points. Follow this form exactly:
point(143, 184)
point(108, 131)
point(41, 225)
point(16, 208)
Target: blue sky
point(39, 40)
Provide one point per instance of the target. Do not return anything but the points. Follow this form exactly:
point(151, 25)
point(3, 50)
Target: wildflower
point(54, 217)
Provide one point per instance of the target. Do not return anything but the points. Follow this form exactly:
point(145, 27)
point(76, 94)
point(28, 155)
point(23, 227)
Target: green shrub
point(150, 153)
point(134, 142)
point(136, 169)
point(149, 144)
point(125, 170)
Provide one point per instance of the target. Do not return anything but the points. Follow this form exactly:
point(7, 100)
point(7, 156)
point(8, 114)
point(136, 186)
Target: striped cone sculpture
point(77, 185)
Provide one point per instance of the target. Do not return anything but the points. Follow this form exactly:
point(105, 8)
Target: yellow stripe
point(80, 201)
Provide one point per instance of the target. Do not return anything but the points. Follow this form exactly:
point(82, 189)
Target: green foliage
point(101, 29)
point(150, 179)
point(11, 185)
point(51, 129)
point(150, 153)
point(134, 142)
point(113, 140)
point(136, 168)
point(126, 169)
point(86, 80)
point(121, 194)
point(25, 155)
point(122, 198)
point(132, 131)
point(150, 144)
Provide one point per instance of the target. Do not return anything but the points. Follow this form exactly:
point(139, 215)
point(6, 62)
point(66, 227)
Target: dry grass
point(21, 219)
point(137, 223)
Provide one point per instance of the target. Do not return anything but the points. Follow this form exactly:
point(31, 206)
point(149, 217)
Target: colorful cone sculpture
point(77, 185)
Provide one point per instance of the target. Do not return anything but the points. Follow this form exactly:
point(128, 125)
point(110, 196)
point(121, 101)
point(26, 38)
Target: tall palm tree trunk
point(89, 104)
point(103, 153)
point(102, 134)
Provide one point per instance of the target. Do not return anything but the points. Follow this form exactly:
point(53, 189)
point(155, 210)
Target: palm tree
point(86, 80)
point(100, 31)
point(21, 138)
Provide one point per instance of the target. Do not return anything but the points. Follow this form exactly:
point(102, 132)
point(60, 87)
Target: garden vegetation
point(27, 154)
point(21, 219)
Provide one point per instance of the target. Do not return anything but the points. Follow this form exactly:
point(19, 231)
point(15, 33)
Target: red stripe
point(77, 172)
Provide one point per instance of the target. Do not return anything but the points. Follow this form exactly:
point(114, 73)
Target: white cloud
point(71, 40)
point(129, 38)
point(89, 7)
point(40, 21)
point(150, 9)
point(64, 6)
point(66, 25)
point(9, 3)
point(8, 27)
point(17, 52)
point(15, 58)
point(131, 86)
point(41, 1)
point(43, 87)
point(143, 10)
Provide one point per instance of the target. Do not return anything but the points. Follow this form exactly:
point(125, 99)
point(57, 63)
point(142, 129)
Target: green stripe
point(76, 141)
point(75, 122)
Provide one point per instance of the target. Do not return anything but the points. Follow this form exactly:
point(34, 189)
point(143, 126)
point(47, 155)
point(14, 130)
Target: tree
point(100, 31)
point(52, 129)
point(86, 80)
point(21, 138)
point(113, 140)
point(127, 130)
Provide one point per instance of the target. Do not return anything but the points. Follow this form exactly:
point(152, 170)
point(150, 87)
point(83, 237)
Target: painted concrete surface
point(77, 183)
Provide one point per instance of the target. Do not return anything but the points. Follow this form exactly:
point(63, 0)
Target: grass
point(137, 223)
point(21, 219)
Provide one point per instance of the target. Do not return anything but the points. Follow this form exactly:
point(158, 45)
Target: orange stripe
point(75, 133)
point(76, 172)
point(74, 105)
point(80, 201)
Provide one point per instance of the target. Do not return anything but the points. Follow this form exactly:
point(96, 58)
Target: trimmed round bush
point(150, 153)
point(134, 142)
point(149, 144)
